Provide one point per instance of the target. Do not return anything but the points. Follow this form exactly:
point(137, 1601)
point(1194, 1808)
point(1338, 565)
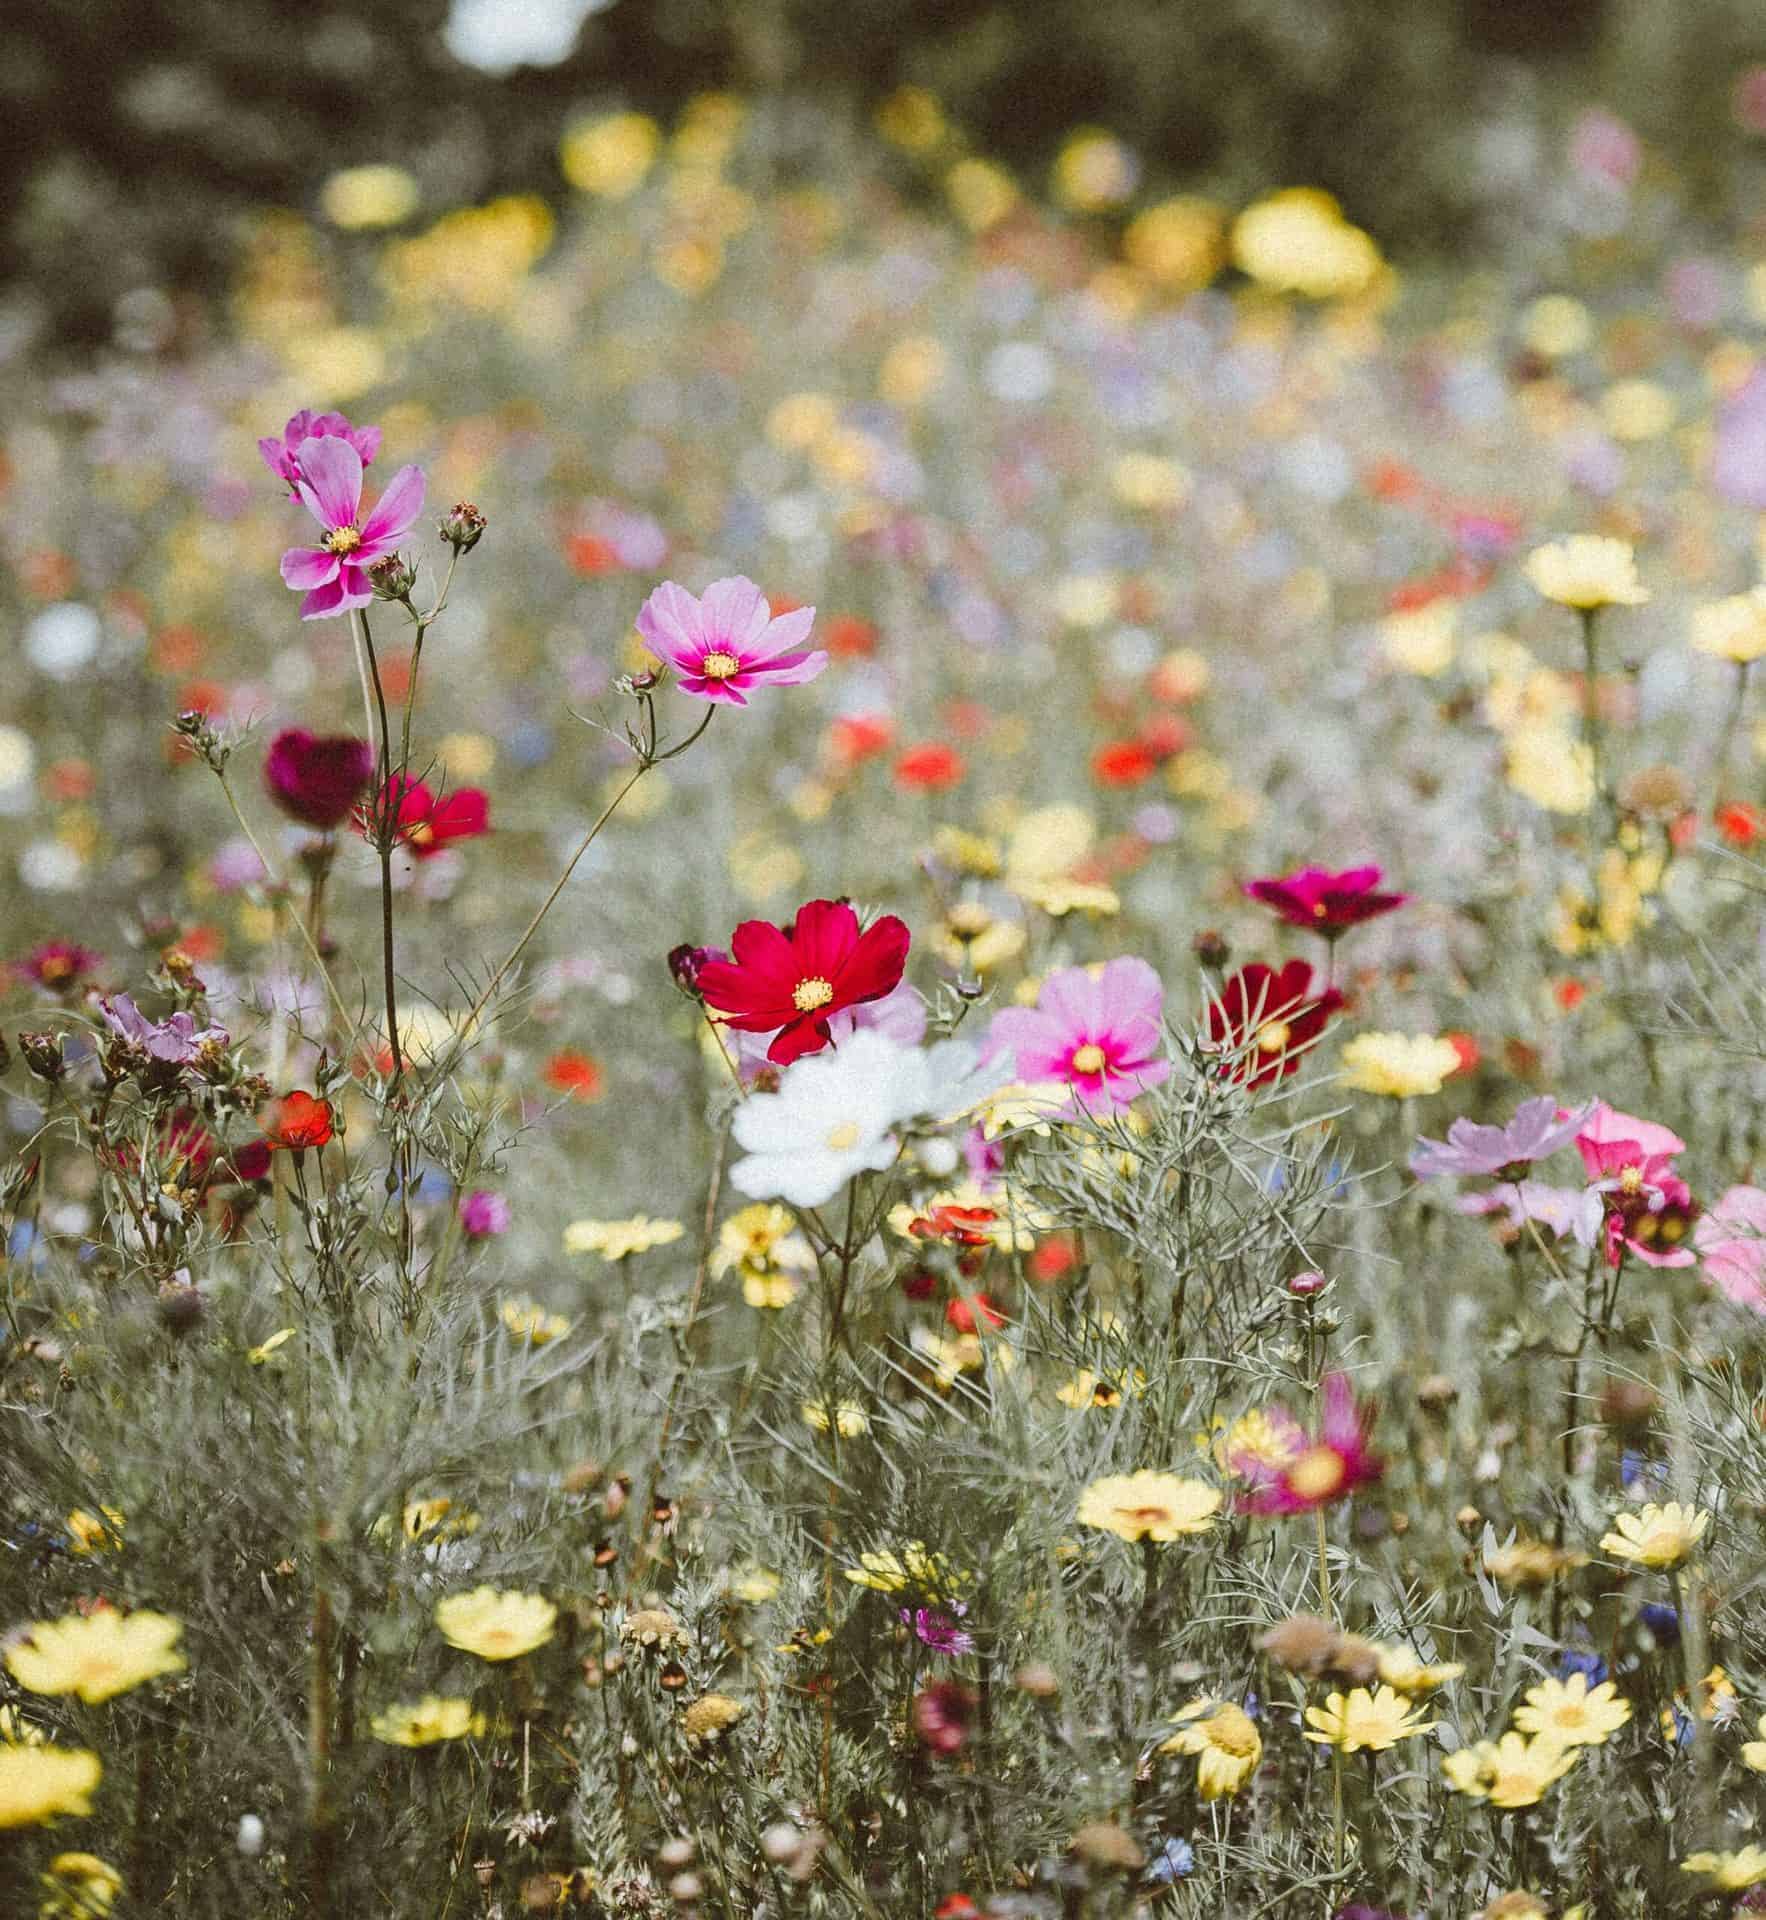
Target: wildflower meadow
point(885, 1041)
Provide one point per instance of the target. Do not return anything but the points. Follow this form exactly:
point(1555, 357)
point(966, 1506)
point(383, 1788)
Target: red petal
point(875, 965)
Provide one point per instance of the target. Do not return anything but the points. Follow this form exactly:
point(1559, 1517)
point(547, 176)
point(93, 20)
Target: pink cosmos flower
point(1557, 1209)
point(1635, 1202)
point(727, 644)
point(282, 456)
point(1471, 1151)
point(484, 1214)
point(1098, 1032)
point(1731, 1240)
point(334, 574)
point(1326, 902)
point(1302, 1473)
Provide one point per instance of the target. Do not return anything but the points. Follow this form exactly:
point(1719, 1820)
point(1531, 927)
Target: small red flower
point(298, 1122)
point(1466, 1046)
point(573, 1073)
point(1739, 824)
point(1054, 1256)
point(1569, 993)
point(961, 1226)
point(791, 981)
point(929, 768)
point(426, 824)
point(1267, 1021)
point(847, 637)
point(956, 1906)
point(588, 554)
point(859, 737)
point(1123, 763)
point(974, 1313)
point(59, 965)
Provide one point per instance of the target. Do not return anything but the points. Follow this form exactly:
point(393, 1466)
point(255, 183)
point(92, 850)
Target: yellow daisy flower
point(260, 1356)
point(1226, 1741)
point(530, 1322)
point(1656, 1536)
point(37, 1783)
point(1732, 629)
point(1406, 1673)
point(493, 1625)
point(848, 1420)
point(770, 1291)
point(97, 1655)
point(1149, 1506)
point(1570, 1713)
point(427, 1721)
point(1511, 1772)
point(915, 1566)
point(88, 1532)
point(1364, 1722)
point(1586, 571)
point(80, 1887)
point(1753, 1754)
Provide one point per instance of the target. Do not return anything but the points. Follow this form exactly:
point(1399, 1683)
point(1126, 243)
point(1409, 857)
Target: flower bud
point(684, 963)
point(462, 527)
point(1304, 1285)
point(1211, 948)
point(392, 577)
point(43, 1055)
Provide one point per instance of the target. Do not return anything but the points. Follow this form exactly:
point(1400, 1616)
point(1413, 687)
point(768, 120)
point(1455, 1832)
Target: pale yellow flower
point(493, 1625)
point(1403, 1671)
point(1732, 629)
point(530, 1322)
point(754, 1586)
point(1546, 764)
point(260, 1356)
point(1570, 1713)
point(1149, 1506)
point(1728, 1872)
point(1398, 1065)
point(1586, 571)
point(1511, 1772)
point(82, 1887)
point(1420, 641)
point(849, 1419)
point(427, 1721)
point(917, 1565)
point(1753, 1754)
point(769, 1291)
point(619, 1239)
point(87, 1532)
point(1656, 1536)
point(1225, 1740)
point(96, 1655)
point(1364, 1722)
point(1089, 1389)
point(1297, 241)
point(37, 1783)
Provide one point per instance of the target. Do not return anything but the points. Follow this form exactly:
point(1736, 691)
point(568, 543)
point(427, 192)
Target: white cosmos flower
point(835, 1113)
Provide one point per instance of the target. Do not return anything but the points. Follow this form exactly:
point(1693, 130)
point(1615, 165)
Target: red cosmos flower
point(298, 1122)
point(1326, 902)
point(1311, 1473)
point(961, 1226)
point(426, 824)
point(573, 1073)
point(317, 779)
point(796, 978)
point(1267, 1021)
point(930, 767)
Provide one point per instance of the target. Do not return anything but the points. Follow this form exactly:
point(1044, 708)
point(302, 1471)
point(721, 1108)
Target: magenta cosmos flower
point(1098, 1032)
point(1326, 902)
point(282, 456)
point(1299, 1474)
point(1635, 1201)
point(726, 644)
point(334, 574)
point(317, 778)
point(1472, 1152)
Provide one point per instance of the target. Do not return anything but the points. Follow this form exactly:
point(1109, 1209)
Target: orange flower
point(588, 554)
point(1739, 824)
point(573, 1073)
point(1123, 763)
point(847, 637)
point(298, 1121)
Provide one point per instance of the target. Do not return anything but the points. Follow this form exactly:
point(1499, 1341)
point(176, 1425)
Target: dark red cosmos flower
point(58, 965)
point(1266, 1021)
point(943, 1714)
point(797, 978)
point(1326, 902)
point(426, 824)
point(298, 1121)
point(317, 778)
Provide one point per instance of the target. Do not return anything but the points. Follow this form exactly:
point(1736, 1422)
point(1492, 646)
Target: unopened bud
point(392, 577)
point(1211, 948)
point(1304, 1285)
point(43, 1055)
point(462, 527)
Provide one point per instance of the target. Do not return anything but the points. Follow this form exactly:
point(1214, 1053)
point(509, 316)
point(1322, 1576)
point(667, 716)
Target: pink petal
point(788, 631)
point(724, 692)
point(397, 507)
point(331, 480)
point(734, 614)
point(669, 624)
point(305, 567)
point(789, 669)
point(324, 601)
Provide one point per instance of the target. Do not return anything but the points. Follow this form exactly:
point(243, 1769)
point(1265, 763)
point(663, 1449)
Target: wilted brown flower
point(709, 1719)
point(1531, 1563)
point(1101, 1843)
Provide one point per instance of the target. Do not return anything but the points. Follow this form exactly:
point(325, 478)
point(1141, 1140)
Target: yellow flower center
point(1274, 1036)
point(1144, 1516)
point(342, 540)
point(1317, 1474)
point(843, 1137)
point(1630, 1179)
point(719, 666)
point(1232, 1732)
point(809, 994)
point(1090, 1058)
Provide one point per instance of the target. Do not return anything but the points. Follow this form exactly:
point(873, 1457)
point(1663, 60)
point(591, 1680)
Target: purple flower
point(282, 456)
point(1738, 459)
point(1471, 1151)
point(235, 865)
point(726, 644)
point(936, 1627)
point(334, 574)
point(483, 1213)
point(173, 1042)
